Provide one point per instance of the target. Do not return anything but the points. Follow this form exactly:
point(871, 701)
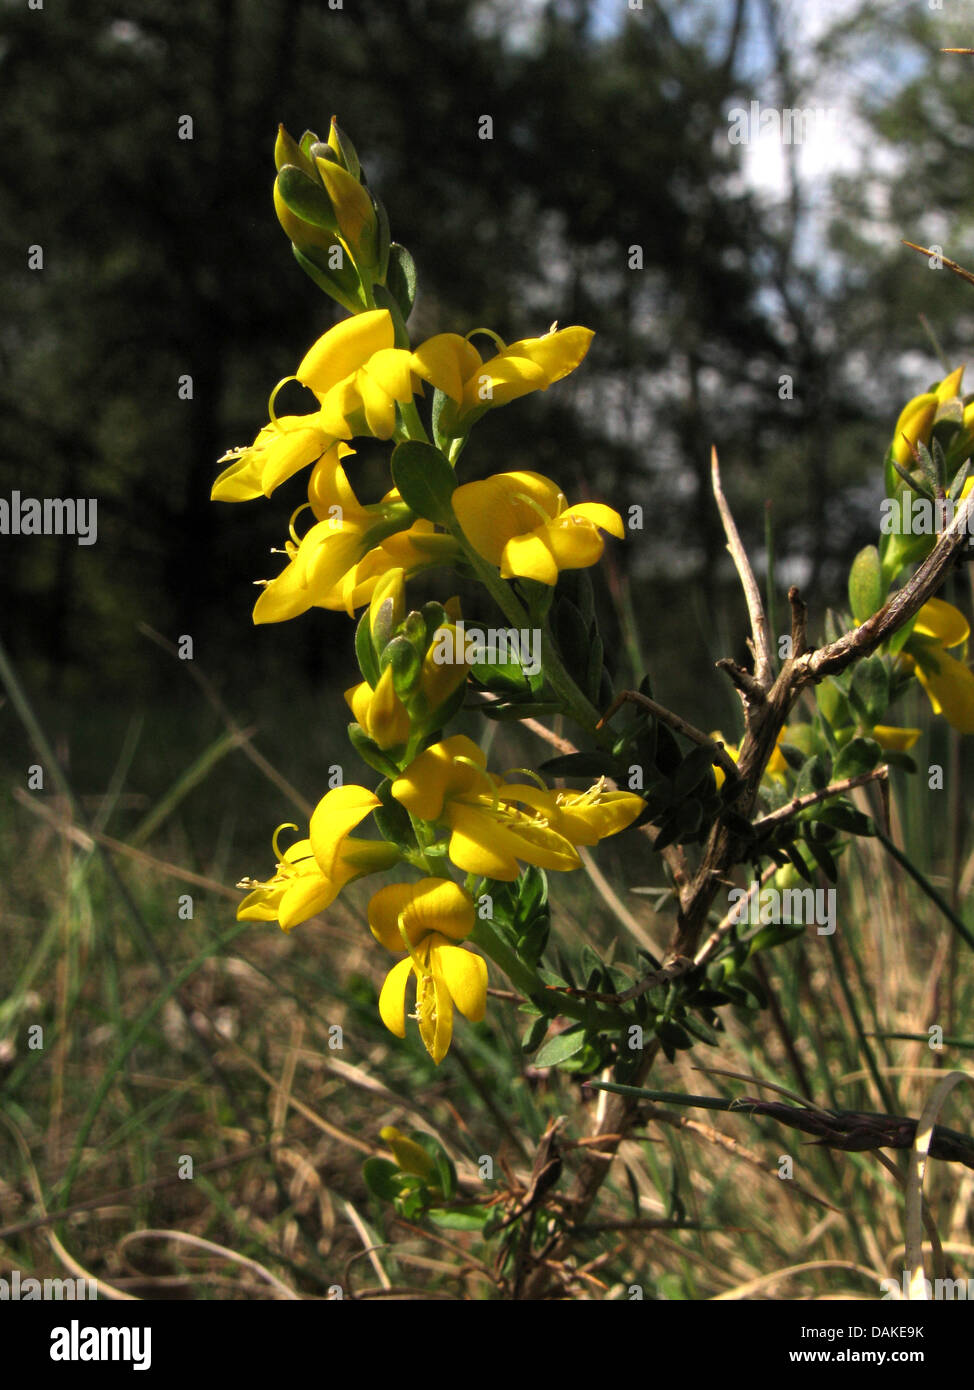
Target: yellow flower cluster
point(358, 377)
point(361, 379)
point(493, 826)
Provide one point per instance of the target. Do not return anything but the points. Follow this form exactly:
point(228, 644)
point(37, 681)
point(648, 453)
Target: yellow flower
point(893, 738)
point(339, 560)
point(285, 446)
point(522, 523)
point(532, 364)
point(380, 713)
point(918, 415)
point(427, 919)
point(449, 783)
point(357, 376)
point(312, 872)
point(949, 683)
point(411, 1157)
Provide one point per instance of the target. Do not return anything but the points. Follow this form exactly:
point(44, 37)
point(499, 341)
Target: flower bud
point(387, 609)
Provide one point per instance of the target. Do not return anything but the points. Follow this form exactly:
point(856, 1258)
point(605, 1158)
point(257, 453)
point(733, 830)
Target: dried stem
point(763, 665)
point(801, 803)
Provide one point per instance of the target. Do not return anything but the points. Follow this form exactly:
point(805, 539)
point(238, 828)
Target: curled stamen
point(534, 505)
point(419, 965)
point(273, 396)
point(488, 333)
point(294, 516)
point(288, 825)
point(530, 774)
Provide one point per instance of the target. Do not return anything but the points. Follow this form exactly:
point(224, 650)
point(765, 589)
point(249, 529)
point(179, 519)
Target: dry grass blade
point(198, 1242)
point(914, 1181)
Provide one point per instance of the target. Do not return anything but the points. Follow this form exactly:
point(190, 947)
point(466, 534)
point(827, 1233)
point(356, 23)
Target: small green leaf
point(870, 689)
point(559, 1048)
point(471, 1219)
point(865, 584)
point(824, 860)
point(814, 776)
point(381, 1178)
point(692, 771)
point(858, 756)
point(841, 816)
point(425, 479)
point(831, 700)
point(306, 198)
point(365, 651)
point(534, 1034)
point(370, 752)
point(401, 278)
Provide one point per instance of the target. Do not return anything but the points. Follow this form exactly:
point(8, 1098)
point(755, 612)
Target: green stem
point(415, 429)
point(488, 938)
point(574, 703)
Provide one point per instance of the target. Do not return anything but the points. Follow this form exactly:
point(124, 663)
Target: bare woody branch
point(801, 803)
point(763, 665)
point(678, 724)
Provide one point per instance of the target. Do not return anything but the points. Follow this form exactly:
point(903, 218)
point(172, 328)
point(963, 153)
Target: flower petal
point(607, 518)
point(897, 740)
point(532, 557)
point(345, 348)
point(464, 974)
point(337, 813)
point(434, 776)
point(392, 999)
point(943, 621)
point(950, 689)
point(305, 896)
point(446, 361)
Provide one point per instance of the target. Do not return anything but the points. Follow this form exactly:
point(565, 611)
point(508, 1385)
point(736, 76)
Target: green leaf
point(385, 300)
point(865, 584)
point(370, 752)
point(406, 663)
point(365, 651)
point(593, 677)
point(401, 278)
point(960, 478)
point(425, 479)
point(571, 634)
point(306, 198)
point(503, 677)
point(834, 707)
point(383, 243)
point(870, 689)
point(534, 1034)
point(858, 756)
point(691, 772)
point(841, 816)
point(559, 1048)
point(381, 1178)
point(392, 818)
point(673, 1038)
point(471, 1219)
point(446, 1173)
point(343, 286)
point(798, 862)
point(824, 860)
point(814, 776)
point(768, 937)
